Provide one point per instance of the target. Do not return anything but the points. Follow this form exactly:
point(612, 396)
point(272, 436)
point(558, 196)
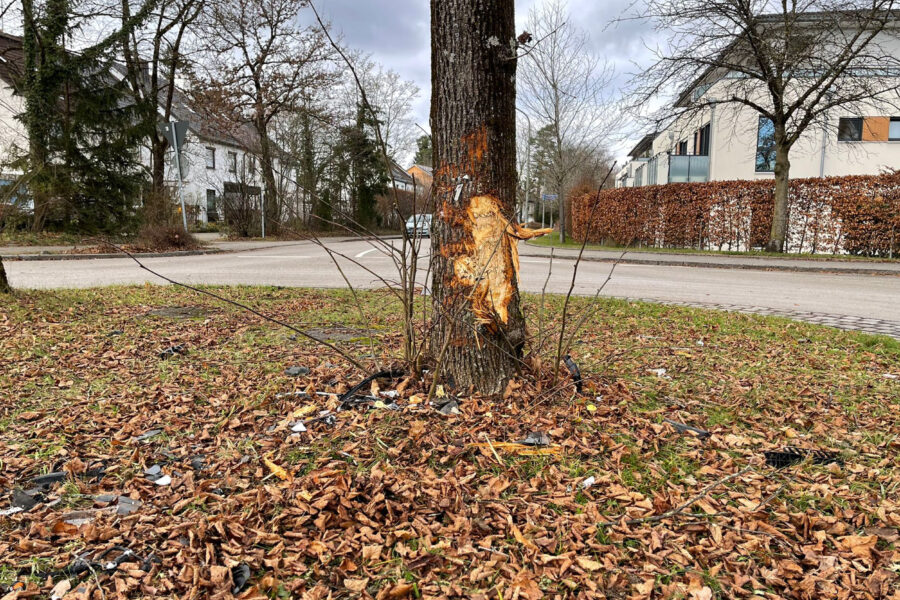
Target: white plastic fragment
point(163, 481)
point(298, 427)
point(588, 482)
point(891, 376)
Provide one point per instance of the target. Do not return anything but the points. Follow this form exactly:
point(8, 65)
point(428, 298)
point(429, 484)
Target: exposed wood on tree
point(478, 317)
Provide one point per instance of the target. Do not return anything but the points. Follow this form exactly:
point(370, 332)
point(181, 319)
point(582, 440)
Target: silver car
point(419, 226)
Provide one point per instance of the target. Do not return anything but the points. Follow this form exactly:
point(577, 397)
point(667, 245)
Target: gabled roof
point(423, 168)
point(12, 58)
point(642, 146)
point(399, 175)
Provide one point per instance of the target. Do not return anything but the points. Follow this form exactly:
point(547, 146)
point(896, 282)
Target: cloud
point(397, 34)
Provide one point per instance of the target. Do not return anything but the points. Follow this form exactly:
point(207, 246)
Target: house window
point(894, 133)
point(210, 158)
point(211, 214)
point(232, 162)
point(251, 160)
point(850, 129)
point(681, 149)
point(701, 141)
point(765, 146)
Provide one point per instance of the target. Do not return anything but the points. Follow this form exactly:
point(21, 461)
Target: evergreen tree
point(84, 133)
point(423, 152)
point(363, 167)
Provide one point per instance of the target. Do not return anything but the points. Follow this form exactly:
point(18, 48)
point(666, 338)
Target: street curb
point(38, 257)
point(710, 265)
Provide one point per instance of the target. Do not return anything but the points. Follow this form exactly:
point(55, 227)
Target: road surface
point(865, 302)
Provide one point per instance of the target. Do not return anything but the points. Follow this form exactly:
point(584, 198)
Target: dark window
point(210, 158)
point(765, 146)
point(894, 134)
point(212, 214)
point(701, 145)
point(232, 162)
point(682, 148)
point(850, 129)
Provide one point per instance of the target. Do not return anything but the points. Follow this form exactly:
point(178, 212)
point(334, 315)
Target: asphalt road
point(866, 302)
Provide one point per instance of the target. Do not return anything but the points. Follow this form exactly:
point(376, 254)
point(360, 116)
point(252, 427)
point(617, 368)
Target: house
point(423, 175)
point(712, 139)
point(401, 180)
point(218, 160)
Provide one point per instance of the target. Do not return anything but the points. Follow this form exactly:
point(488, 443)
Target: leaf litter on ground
point(380, 503)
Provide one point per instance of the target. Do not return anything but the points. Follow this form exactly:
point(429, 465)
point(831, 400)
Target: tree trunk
point(4, 282)
point(270, 190)
point(477, 316)
point(780, 215)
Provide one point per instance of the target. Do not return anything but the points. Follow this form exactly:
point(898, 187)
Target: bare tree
point(262, 61)
point(792, 62)
point(153, 56)
point(391, 97)
point(479, 330)
point(562, 83)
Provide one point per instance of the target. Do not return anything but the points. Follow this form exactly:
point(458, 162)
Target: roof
point(642, 146)
point(808, 17)
point(423, 168)
point(399, 175)
point(12, 58)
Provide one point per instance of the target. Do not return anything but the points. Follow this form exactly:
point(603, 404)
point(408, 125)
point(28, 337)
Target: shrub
point(164, 237)
point(855, 215)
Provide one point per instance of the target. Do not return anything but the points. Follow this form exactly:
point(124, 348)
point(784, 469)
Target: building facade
point(723, 140)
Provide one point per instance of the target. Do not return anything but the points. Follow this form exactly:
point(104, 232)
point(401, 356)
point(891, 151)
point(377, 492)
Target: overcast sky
point(396, 33)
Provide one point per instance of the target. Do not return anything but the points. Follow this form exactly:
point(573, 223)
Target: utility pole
point(527, 165)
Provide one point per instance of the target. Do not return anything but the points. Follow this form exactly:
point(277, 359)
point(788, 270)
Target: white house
point(218, 159)
point(723, 141)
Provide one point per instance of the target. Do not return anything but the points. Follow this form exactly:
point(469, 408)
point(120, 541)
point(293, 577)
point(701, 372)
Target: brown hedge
point(833, 215)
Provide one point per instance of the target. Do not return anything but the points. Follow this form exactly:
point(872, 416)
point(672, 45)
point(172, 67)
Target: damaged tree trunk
point(479, 330)
point(4, 282)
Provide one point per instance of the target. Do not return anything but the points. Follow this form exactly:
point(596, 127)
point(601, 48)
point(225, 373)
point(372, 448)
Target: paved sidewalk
point(764, 263)
point(847, 322)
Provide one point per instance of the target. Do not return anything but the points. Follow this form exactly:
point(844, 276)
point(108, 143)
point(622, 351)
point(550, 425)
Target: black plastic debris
point(153, 473)
point(792, 456)
point(172, 351)
point(682, 428)
point(197, 463)
point(25, 500)
point(48, 479)
point(576, 373)
point(535, 438)
point(296, 371)
point(240, 575)
point(347, 396)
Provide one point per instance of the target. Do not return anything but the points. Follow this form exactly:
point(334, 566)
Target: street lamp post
point(527, 163)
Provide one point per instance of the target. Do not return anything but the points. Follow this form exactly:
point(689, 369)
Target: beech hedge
point(832, 215)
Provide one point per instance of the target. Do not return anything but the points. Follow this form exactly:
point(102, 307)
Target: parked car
point(419, 226)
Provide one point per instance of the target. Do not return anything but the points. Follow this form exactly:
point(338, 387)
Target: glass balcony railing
point(685, 169)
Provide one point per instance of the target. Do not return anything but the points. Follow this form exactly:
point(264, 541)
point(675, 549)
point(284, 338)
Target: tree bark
point(267, 165)
point(4, 282)
point(780, 214)
point(477, 314)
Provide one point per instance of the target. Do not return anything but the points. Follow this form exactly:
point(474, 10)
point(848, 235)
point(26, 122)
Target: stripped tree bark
point(477, 313)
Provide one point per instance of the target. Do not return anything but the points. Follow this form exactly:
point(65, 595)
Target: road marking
point(533, 262)
point(364, 252)
point(271, 256)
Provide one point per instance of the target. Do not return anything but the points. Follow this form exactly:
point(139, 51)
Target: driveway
point(850, 301)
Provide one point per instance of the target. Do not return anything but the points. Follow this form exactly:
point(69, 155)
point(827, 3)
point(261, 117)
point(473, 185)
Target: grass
point(755, 382)
point(552, 240)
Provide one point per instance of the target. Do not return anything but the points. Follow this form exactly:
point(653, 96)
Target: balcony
point(688, 169)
